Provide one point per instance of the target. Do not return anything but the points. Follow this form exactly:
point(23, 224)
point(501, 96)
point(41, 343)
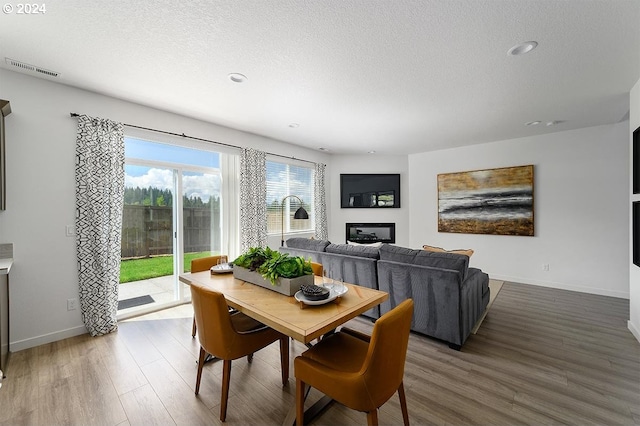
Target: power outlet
point(545, 267)
point(72, 304)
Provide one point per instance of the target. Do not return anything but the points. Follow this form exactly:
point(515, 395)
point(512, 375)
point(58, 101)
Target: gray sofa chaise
point(449, 296)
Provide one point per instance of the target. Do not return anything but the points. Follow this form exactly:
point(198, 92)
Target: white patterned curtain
point(253, 199)
point(319, 203)
point(99, 200)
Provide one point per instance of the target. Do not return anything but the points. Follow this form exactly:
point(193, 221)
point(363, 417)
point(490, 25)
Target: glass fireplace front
point(365, 233)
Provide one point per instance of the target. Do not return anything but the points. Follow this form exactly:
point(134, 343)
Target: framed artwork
point(492, 201)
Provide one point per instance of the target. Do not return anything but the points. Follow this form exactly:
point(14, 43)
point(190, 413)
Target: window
point(287, 179)
point(172, 214)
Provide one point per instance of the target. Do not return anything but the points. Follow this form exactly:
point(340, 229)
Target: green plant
point(253, 258)
point(272, 264)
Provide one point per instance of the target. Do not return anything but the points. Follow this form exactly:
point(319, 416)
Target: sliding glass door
point(172, 214)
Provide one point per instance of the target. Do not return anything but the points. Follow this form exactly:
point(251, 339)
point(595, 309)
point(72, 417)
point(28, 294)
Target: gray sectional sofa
point(449, 296)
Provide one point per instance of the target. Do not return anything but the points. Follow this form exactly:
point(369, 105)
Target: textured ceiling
point(394, 76)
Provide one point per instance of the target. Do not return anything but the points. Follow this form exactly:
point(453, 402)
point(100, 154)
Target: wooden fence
point(148, 230)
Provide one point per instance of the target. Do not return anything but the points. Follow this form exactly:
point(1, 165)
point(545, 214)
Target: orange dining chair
point(359, 371)
point(316, 268)
point(199, 265)
point(230, 335)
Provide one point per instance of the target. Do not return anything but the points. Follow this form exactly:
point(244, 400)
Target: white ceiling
point(394, 76)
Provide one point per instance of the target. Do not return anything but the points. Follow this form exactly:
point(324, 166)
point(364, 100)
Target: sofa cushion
point(307, 244)
point(452, 261)
point(397, 253)
point(456, 262)
point(466, 252)
point(353, 250)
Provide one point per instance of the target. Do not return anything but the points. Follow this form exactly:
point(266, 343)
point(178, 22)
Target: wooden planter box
point(286, 286)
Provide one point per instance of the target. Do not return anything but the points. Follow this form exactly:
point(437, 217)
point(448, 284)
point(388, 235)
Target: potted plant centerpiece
point(273, 270)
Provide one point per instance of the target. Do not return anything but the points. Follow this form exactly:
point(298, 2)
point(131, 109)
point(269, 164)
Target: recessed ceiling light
point(294, 125)
point(323, 149)
point(237, 77)
point(552, 123)
point(522, 48)
point(371, 152)
point(532, 123)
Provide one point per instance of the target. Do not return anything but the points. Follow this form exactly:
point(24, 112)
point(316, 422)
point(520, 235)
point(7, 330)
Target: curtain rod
point(75, 114)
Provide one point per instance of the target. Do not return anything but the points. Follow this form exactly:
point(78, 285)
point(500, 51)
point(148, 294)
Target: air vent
point(32, 68)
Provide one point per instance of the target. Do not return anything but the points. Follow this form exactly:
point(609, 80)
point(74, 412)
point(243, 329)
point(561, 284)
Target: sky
point(195, 184)
point(283, 179)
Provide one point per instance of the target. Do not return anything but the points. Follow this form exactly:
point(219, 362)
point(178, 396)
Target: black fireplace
point(365, 233)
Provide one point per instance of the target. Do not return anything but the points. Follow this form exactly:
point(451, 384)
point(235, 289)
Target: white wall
point(581, 209)
point(634, 271)
point(40, 151)
point(581, 201)
point(367, 163)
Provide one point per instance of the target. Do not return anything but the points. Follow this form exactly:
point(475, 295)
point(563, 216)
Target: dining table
point(301, 321)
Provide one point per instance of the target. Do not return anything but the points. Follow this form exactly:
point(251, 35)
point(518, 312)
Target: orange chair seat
point(361, 372)
point(340, 352)
point(229, 336)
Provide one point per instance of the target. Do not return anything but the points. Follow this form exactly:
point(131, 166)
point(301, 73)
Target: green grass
point(153, 267)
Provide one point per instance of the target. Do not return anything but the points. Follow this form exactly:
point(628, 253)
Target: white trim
point(46, 338)
point(230, 209)
point(277, 158)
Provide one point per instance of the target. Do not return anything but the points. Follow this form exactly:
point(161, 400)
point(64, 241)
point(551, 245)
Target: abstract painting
point(493, 201)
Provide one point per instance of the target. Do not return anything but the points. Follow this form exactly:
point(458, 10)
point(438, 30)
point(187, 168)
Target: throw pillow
point(466, 252)
point(378, 244)
point(397, 253)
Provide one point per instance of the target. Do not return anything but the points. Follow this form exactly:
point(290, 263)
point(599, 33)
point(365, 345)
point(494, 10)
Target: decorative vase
point(286, 286)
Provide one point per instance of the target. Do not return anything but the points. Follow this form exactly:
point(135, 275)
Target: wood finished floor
point(542, 356)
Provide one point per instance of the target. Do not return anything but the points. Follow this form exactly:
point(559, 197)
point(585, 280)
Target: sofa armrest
point(435, 292)
point(474, 298)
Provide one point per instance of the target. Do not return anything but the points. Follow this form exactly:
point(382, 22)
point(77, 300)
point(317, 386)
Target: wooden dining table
point(285, 313)
point(303, 323)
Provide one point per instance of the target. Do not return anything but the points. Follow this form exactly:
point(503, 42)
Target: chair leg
point(284, 360)
point(226, 378)
point(203, 354)
point(372, 417)
point(299, 402)
point(193, 328)
point(403, 404)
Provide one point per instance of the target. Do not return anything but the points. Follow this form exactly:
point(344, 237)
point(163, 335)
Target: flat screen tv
point(370, 190)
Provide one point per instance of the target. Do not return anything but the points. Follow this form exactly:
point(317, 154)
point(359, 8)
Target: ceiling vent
point(32, 68)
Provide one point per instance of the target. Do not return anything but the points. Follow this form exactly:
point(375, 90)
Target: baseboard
point(562, 286)
point(634, 330)
point(32, 342)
